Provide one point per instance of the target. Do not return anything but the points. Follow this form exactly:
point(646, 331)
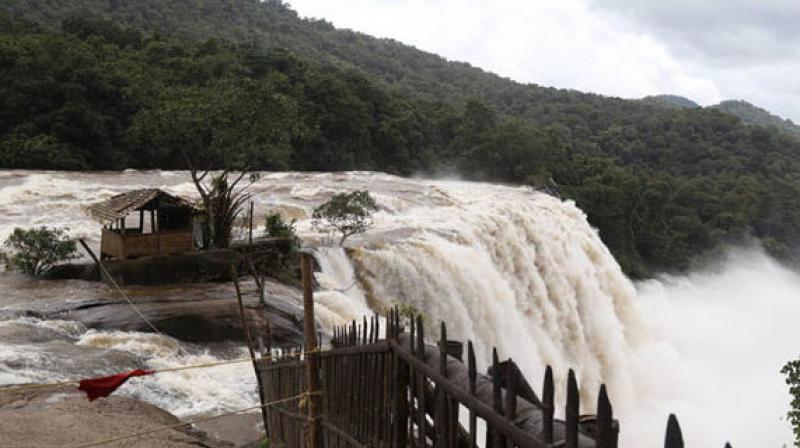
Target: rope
point(130, 302)
point(171, 369)
point(191, 422)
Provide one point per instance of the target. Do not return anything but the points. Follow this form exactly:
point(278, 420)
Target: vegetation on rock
point(347, 214)
point(34, 251)
point(277, 227)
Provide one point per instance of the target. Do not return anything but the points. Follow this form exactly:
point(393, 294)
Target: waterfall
point(506, 267)
point(510, 268)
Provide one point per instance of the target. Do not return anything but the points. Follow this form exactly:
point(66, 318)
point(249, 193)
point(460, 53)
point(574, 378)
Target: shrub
point(277, 227)
point(34, 251)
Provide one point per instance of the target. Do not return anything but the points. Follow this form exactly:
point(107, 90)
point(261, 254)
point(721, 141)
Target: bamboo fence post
point(250, 234)
point(441, 417)
point(249, 339)
point(310, 336)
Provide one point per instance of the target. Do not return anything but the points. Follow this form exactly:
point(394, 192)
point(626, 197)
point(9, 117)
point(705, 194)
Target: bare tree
point(222, 199)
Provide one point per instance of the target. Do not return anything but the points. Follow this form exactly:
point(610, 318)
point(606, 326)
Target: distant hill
point(671, 100)
point(754, 115)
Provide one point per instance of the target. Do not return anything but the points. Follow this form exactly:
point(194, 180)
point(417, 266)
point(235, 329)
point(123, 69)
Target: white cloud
point(607, 46)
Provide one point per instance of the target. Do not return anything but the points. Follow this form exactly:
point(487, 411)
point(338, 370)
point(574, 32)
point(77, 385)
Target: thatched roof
point(119, 206)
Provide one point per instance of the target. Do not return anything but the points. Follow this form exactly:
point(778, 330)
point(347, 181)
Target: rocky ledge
point(200, 314)
point(64, 418)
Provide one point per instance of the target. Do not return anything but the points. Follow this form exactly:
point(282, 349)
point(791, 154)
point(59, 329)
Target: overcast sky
point(705, 50)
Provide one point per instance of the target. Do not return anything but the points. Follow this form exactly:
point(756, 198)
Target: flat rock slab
point(63, 418)
point(199, 321)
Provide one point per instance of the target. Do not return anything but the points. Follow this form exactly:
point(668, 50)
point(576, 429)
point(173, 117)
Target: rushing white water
point(719, 339)
point(506, 267)
point(54, 350)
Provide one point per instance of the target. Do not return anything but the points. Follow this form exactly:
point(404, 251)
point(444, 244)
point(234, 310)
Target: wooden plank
point(673, 437)
point(422, 421)
point(572, 411)
point(548, 403)
point(310, 336)
point(471, 375)
point(511, 401)
point(605, 420)
point(249, 340)
point(482, 410)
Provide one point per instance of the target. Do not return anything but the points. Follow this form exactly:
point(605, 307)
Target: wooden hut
point(166, 229)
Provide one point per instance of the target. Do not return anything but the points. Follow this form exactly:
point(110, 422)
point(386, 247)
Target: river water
point(507, 267)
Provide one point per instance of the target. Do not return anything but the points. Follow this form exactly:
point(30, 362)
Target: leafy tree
point(346, 213)
point(34, 251)
point(792, 372)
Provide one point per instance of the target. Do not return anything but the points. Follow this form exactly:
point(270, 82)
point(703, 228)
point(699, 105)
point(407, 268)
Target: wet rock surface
point(212, 317)
point(62, 418)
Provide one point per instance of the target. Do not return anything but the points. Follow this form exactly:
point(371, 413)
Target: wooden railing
point(391, 389)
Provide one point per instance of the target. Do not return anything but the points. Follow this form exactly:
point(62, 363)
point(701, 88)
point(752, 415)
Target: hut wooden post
point(312, 373)
point(94, 257)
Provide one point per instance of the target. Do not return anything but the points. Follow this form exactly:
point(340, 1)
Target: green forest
point(108, 85)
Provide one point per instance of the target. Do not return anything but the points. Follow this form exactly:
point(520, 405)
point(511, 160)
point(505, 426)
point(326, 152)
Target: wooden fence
point(390, 389)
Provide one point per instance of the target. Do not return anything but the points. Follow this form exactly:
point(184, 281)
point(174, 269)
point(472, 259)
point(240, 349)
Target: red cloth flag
point(104, 386)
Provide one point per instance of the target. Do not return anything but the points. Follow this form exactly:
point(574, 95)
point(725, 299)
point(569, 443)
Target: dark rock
point(196, 320)
point(211, 265)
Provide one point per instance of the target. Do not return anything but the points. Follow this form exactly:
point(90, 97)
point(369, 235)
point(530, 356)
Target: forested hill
point(113, 85)
point(272, 24)
point(757, 116)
